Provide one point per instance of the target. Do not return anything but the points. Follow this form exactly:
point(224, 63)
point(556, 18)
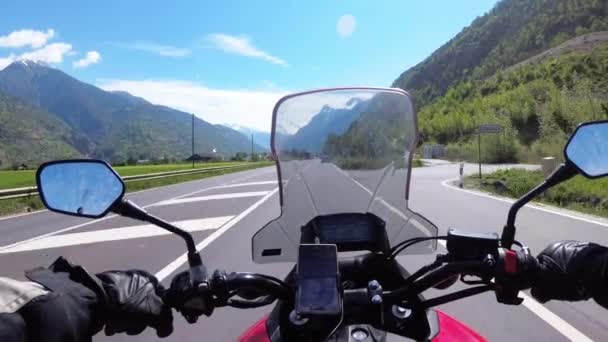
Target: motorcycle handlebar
point(511, 271)
point(263, 284)
point(439, 275)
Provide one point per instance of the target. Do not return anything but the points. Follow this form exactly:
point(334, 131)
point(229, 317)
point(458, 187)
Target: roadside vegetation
point(19, 179)
point(578, 193)
point(513, 31)
point(19, 205)
point(538, 104)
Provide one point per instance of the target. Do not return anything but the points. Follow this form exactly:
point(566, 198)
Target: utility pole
point(479, 151)
point(192, 141)
point(251, 158)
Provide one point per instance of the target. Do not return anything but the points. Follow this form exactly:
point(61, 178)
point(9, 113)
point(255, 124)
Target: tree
point(239, 156)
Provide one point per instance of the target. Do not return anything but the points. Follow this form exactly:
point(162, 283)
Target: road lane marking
point(245, 184)
point(177, 263)
point(556, 211)
point(554, 320)
point(67, 229)
point(115, 234)
point(381, 200)
point(213, 197)
point(22, 214)
point(548, 316)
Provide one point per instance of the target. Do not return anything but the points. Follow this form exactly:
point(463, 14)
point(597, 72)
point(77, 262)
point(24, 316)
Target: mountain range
point(261, 138)
point(45, 109)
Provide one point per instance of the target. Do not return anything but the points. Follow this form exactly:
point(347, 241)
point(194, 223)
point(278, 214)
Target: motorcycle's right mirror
point(586, 153)
point(587, 149)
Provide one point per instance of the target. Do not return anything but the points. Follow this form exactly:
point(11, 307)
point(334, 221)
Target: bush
point(578, 193)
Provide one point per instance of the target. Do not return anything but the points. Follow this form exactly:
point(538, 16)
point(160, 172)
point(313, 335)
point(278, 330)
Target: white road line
point(23, 214)
point(175, 264)
point(115, 234)
point(556, 211)
point(554, 320)
point(381, 200)
point(545, 314)
point(213, 197)
point(112, 216)
point(54, 233)
point(245, 184)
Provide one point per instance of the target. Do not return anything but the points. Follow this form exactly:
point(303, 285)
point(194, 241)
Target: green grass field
point(578, 193)
point(19, 179)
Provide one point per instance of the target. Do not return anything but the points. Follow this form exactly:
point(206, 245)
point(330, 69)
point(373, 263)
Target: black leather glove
point(134, 302)
point(571, 271)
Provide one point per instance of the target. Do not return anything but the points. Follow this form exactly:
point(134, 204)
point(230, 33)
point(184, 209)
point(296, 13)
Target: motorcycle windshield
point(342, 151)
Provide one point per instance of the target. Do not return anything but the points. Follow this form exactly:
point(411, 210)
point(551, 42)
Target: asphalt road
point(224, 212)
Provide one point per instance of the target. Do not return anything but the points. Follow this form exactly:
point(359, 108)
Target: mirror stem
point(562, 173)
point(132, 210)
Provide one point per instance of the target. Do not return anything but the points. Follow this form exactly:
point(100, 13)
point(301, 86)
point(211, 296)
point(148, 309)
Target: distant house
point(204, 157)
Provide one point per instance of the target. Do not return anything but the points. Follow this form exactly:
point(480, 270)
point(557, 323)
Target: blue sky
point(229, 61)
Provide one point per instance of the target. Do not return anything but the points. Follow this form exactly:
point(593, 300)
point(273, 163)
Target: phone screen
point(318, 291)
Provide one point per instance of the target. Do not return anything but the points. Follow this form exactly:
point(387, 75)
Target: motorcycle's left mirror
point(86, 188)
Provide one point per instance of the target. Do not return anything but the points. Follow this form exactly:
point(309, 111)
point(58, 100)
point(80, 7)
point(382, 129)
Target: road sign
point(490, 128)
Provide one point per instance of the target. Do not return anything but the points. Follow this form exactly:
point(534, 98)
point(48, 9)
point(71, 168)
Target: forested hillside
point(540, 104)
point(515, 66)
point(113, 126)
point(30, 136)
point(512, 31)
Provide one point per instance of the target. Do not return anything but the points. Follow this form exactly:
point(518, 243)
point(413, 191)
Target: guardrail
point(33, 191)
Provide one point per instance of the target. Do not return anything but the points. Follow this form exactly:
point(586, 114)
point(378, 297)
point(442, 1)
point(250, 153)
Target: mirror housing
point(586, 153)
point(587, 149)
point(82, 187)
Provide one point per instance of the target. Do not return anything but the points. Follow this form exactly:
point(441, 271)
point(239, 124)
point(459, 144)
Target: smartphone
point(318, 291)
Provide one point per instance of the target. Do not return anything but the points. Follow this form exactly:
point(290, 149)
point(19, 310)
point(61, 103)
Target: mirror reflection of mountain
point(312, 136)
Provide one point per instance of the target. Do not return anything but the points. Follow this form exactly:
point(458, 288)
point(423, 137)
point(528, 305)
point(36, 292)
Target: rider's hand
point(134, 302)
point(566, 271)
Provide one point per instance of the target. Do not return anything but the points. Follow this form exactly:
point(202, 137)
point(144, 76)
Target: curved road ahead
point(224, 212)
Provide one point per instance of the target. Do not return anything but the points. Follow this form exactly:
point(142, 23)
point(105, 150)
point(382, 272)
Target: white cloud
point(158, 49)
point(5, 61)
point(92, 57)
point(242, 46)
point(346, 25)
point(52, 53)
point(21, 38)
point(245, 107)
